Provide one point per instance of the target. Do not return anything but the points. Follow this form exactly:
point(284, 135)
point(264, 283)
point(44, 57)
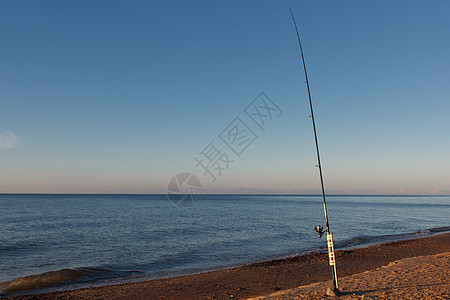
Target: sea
point(58, 242)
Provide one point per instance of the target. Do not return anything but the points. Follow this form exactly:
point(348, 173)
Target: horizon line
point(231, 194)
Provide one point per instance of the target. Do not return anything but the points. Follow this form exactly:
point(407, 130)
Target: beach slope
point(422, 277)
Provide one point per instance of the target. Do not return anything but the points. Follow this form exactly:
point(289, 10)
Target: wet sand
point(286, 275)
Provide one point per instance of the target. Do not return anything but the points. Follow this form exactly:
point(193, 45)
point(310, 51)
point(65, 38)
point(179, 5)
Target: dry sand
point(423, 277)
point(396, 270)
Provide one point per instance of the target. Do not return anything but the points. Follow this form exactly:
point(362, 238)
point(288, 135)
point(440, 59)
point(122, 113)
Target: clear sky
point(120, 96)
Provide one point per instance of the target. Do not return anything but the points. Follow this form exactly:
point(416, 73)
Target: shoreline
point(261, 278)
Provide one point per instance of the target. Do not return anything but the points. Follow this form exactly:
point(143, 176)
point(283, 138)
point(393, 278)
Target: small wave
point(48, 279)
point(412, 235)
point(354, 242)
point(365, 240)
point(439, 229)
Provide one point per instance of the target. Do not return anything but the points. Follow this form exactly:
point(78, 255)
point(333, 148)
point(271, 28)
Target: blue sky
point(118, 97)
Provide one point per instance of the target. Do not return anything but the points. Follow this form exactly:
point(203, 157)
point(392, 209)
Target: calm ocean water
point(70, 241)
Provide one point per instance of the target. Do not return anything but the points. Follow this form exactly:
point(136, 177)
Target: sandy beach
point(422, 277)
point(411, 269)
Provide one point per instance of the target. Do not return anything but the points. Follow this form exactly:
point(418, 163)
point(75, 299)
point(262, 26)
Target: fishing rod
point(319, 229)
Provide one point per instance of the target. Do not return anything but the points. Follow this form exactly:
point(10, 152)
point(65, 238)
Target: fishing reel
point(319, 230)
